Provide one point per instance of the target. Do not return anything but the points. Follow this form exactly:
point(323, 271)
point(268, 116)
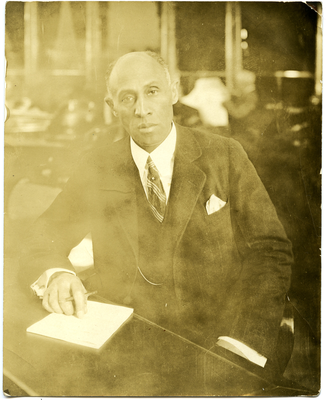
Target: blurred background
point(247, 70)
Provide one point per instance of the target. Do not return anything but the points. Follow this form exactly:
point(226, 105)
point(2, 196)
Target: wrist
point(39, 286)
point(55, 275)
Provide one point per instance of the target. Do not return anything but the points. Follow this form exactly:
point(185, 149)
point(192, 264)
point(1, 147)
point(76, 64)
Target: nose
point(141, 107)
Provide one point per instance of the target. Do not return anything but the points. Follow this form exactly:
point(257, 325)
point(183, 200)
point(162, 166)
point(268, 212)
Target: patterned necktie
point(155, 191)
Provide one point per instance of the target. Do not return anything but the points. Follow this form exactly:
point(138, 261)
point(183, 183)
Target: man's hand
point(62, 286)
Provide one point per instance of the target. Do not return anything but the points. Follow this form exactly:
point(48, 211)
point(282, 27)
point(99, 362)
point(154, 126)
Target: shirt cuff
point(246, 351)
point(41, 284)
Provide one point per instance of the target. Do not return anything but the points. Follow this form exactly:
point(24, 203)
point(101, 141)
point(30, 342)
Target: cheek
point(162, 108)
point(166, 111)
point(125, 116)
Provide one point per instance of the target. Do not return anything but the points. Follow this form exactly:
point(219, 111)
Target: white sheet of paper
point(99, 323)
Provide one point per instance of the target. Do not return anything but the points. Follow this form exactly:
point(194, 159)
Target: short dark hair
point(152, 54)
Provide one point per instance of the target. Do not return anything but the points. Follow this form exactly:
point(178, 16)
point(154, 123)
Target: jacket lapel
point(187, 182)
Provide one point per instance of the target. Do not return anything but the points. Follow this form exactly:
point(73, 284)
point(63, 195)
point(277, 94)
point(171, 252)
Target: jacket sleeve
point(62, 226)
point(257, 298)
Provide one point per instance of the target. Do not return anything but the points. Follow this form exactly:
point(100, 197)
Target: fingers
point(51, 301)
point(61, 288)
point(66, 306)
point(45, 302)
point(80, 300)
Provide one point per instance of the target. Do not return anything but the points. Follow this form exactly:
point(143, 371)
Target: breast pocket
point(219, 226)
point(220, 215)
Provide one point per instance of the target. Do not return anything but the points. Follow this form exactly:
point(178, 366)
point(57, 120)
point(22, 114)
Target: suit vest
point(153, 294)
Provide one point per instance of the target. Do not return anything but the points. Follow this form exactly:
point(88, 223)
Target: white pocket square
point(214, 204)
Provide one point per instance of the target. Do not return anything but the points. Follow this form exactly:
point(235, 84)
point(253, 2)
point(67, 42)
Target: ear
point(175, 91)
point(109, 102)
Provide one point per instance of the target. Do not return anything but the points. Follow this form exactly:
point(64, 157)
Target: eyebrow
point(125, 91)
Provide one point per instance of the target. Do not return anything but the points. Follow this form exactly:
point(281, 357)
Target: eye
point(153, 91)
point(128, 99)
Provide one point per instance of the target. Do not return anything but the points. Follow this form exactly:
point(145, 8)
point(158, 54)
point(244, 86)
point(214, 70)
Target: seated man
point(183, 230)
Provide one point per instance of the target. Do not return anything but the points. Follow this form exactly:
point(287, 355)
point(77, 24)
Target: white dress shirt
point(162, 157)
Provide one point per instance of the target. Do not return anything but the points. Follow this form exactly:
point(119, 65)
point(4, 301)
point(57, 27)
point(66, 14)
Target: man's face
point(143, 99)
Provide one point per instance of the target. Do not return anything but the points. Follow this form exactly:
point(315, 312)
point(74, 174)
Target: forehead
point(136, 71)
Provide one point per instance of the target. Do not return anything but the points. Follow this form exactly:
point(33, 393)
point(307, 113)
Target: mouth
point(145, 126)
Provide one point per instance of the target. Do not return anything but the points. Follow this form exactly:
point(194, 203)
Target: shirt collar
point(162, 156)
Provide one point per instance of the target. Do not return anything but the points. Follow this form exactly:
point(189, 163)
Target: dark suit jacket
point(231, 269)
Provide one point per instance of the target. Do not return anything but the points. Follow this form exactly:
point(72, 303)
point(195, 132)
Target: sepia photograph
point(162, 198)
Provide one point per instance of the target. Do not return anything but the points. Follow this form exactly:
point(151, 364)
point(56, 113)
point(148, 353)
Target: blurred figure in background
point(241, 106)
point(208, 97)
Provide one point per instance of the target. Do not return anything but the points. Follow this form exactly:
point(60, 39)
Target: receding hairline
point(150, 54)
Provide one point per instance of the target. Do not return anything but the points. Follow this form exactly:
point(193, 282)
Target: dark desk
point(142, 359)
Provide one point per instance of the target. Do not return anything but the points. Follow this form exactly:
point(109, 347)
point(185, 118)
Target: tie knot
point(150, 162)
point(153, 171)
